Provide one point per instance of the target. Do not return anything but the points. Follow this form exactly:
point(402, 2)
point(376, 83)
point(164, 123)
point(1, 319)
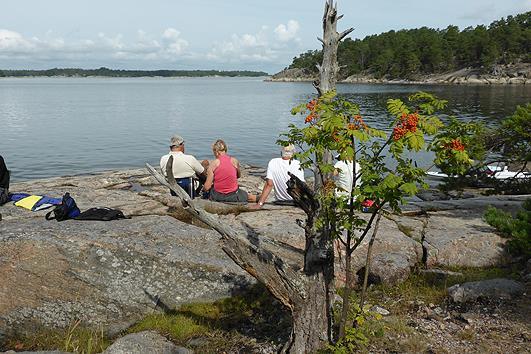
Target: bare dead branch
point(333, 11)
point(325, 13)
point(345, 33)
point(315, 84)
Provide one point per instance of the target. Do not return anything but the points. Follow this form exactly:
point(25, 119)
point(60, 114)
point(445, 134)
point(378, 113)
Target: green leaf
point(409, 188)
point(391, 181)
point(430, 125)
point(396, 107)
point(415, 141)
point(376, 133)
point(298, 109)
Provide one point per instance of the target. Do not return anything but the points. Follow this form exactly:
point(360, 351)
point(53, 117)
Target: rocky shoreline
point(517, 74)
point(111, 274)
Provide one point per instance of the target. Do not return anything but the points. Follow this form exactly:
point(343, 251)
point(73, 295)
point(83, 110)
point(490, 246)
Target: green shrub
point(365, 326)
point(517, 229)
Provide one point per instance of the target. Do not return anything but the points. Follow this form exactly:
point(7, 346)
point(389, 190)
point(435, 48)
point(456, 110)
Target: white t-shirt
point(344, 178)
point(183, 165)
point(277, 171)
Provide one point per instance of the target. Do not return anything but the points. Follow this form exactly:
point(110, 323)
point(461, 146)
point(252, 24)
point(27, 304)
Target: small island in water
point(106, 72)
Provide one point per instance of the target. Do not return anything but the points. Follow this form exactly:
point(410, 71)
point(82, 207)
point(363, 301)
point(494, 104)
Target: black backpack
point(66, 210)
point(102, 214)
point(4, 182)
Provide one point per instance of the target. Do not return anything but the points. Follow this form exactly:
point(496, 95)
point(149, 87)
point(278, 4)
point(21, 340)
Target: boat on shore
point(490, 171)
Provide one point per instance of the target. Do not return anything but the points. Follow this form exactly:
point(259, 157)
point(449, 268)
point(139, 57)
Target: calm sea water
point(65, 126)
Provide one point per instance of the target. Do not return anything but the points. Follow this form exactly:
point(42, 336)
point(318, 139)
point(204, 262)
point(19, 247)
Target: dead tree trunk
point(313, 317)
point(329, 69)
point(319, 252)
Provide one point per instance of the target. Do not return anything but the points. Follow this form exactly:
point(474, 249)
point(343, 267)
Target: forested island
point(106, 72)
point(501, 49)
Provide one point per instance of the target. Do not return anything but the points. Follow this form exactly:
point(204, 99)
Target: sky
point(207, 34)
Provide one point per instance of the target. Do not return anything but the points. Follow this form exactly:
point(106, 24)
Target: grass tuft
point(467, 334)
point(224, 325)
point(406, 230)
point(74, 339)
point(177, 327)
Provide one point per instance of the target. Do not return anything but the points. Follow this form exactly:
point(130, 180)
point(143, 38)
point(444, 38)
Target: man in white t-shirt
point(344, 181)
point(277, 176)
point(185, 167)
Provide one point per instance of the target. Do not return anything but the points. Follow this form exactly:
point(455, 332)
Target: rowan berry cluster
point(407, 123)
point(312, 105)
point(456, 145)
point(357, 124)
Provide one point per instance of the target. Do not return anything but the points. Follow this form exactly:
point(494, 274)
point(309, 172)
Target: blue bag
point(67, 210)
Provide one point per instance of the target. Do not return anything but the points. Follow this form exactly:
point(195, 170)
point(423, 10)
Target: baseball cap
point(176, 140)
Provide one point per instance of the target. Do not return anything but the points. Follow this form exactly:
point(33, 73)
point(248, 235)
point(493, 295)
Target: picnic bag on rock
point(67, 210)
point(101, 214)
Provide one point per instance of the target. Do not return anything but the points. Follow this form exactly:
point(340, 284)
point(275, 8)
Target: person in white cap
point(277, 176)
point(343, 171)
point(185, 167)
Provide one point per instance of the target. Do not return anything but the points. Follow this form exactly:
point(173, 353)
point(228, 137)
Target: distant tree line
point(74, 72)
point(407, 53)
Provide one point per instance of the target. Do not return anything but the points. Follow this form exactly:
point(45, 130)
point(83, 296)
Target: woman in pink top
point(222, 177)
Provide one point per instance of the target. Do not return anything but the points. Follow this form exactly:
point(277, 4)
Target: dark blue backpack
point(67, 210)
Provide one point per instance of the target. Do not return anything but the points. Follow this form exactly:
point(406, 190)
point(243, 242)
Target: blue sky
point(207, 34)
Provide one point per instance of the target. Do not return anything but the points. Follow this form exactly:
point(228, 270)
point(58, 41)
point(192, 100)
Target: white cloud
point(112, 42)
point(174, 43)
point(243, 47)
point(169, 46)
point(13, 41)
point(145, 44)
point(287, 32)
point(274, 46)
point(258, 47)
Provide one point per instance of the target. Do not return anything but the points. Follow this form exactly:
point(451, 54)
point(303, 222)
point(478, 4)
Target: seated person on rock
point(343, 172)
point(277, 176)
point(222, 177)
point(186, 168)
